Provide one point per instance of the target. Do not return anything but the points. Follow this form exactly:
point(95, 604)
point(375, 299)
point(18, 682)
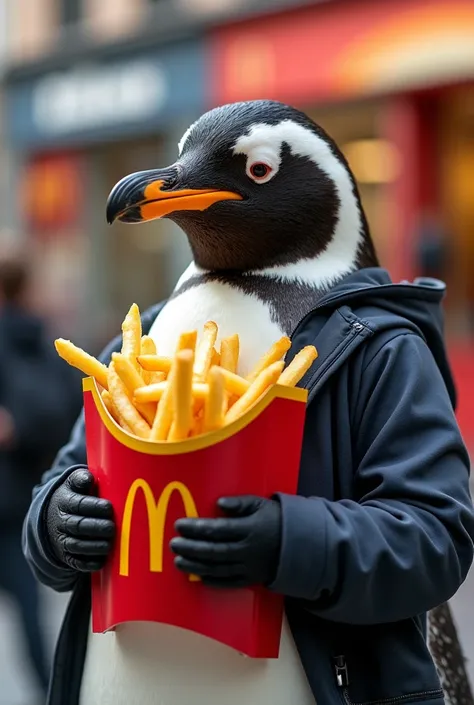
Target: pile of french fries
point(196, 391)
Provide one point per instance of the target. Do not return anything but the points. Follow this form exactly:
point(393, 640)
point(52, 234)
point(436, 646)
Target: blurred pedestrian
point(37, 409)
point(432, 252)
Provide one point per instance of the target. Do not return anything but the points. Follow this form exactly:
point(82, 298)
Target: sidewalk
point(17, 684)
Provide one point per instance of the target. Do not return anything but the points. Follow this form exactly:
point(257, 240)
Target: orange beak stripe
point(158, 203)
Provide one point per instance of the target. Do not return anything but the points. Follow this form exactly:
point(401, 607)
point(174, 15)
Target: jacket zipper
point(324, 303)
point(342, 680)
point(356, 328)
point(342, 677)
point(302, 320)
point(338, 298)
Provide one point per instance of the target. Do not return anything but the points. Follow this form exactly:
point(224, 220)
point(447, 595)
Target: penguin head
point(256, 185)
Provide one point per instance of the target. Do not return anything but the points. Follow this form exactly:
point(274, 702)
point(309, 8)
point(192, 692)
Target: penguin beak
point(147, 195)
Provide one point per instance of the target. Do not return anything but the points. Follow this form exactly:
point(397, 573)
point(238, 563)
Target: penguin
point(274, 219)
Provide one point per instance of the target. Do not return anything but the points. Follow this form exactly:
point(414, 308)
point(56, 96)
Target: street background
point(91, 91)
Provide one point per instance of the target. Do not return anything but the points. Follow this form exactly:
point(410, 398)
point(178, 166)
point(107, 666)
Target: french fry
point(234, 384)
point(276, 352)
point(187, 341)
point(229, 358)
point(198, 402)
point(132, 335)
point(127, 413)
point(164, 414)
point(148, 347)
point(155, 377)
point(76, 357)
point(149, 392)
point(182, 396)
point(127, 372)
point(216, 358)
point(155, 363)
point(299, 366)
point(265, 379)
point(110, 406)
point(214, 406)
point(232, 399)
point(230, 353)
point(198, 421)
point(154, 392)
point(202, 361)
point(132, 381)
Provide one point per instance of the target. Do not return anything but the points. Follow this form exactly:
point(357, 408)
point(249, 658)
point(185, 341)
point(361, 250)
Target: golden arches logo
point(156, 511)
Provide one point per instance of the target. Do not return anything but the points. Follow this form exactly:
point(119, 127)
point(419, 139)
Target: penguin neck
point(289, 291)
point(319, 273)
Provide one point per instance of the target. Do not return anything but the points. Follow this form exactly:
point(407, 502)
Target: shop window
point(71, 12)
point(373, 161)
point(458, 206)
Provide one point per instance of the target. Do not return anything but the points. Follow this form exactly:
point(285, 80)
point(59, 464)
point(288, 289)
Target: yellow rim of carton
point(198, 442)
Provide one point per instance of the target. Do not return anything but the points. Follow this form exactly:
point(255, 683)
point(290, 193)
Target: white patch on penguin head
point(260, 149)
point(263, 143)
point(184, 138)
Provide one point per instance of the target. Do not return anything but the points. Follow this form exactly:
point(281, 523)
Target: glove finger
point(239, 581)
point(84, 565)
point(81, 481)
point(212, 529)
point(84, 527)
point(73, 503)
point(241, 506)
point(77, 547)
point(205, 551)
point(212, 570)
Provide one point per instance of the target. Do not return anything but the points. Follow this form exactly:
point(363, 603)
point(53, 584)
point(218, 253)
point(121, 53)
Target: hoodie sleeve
point(36, 547)
point(405, 543)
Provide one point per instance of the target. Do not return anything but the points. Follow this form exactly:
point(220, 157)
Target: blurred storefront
point(393, 83)
point(76, 131)
point(95, 90)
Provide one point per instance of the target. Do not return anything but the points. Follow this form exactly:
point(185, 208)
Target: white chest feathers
point(156, 664)
point(234, 312)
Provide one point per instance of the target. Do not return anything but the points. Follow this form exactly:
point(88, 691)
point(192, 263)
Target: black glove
point(80, 526)
point(238, 551)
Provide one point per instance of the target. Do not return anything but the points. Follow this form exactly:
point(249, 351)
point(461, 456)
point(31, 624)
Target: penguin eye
point(259, 171)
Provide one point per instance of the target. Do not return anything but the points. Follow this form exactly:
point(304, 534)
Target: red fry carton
point(152, 484)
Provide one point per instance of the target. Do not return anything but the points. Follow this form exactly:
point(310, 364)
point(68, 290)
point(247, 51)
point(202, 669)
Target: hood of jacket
point(417, 305)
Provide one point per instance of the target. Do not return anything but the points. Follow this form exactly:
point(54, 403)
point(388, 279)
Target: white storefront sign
point(96, 96)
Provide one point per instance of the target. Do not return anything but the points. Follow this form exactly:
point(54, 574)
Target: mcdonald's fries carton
point(151, 484)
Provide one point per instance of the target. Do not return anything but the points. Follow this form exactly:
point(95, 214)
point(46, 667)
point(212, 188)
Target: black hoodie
point(417, 305)
point(382, 527)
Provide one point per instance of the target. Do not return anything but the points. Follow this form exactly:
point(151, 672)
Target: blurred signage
point(52, 193)
point(109, 99)
point(232, 9)
point(91, 97)
point(343, 49)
